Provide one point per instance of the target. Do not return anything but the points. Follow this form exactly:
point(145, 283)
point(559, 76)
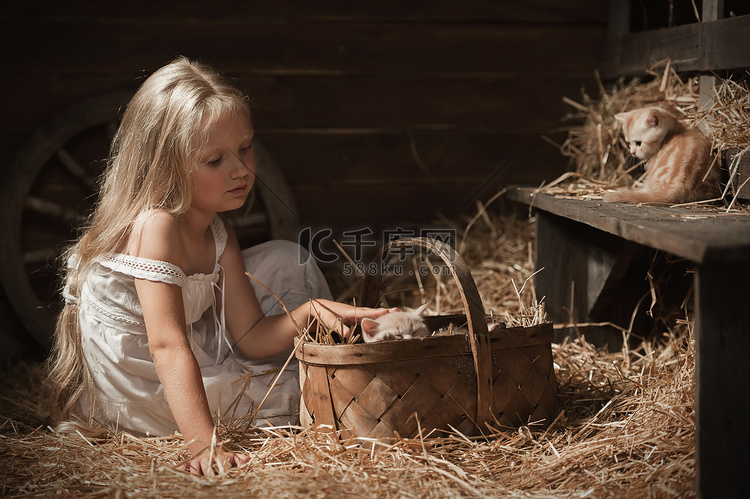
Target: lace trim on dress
point(158, 270)
point(145, 268)
point(220, 236)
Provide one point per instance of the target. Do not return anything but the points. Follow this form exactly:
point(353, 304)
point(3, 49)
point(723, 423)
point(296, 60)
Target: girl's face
point(225, 169)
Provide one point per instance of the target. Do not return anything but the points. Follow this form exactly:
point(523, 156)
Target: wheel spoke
point(50, 208)
point(74, 167)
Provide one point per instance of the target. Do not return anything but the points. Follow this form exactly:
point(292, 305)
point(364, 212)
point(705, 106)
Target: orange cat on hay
point(677, 159)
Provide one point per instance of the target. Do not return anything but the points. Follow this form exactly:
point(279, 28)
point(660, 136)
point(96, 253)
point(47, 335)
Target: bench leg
point(589, 275)
point(722, 389)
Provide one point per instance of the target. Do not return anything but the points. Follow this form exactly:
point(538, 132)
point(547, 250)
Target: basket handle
point(479, 335)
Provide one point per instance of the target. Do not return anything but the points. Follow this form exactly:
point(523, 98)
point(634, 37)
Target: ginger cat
point(677, 158)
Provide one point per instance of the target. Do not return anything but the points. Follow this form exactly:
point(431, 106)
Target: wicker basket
point(504, 378)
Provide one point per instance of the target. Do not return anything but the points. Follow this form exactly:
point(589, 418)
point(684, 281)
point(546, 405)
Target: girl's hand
point(222, 462)
point(336, 316)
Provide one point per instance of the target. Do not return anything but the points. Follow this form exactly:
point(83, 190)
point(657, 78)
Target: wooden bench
point(594, 245)
point(591, 243)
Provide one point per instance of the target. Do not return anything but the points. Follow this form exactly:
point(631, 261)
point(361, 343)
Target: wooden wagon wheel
point(50, 187)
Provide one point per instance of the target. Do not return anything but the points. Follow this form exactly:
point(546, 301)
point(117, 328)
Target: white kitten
point(395, 326)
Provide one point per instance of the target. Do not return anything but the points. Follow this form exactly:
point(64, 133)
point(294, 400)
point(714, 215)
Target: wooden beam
point(709, 46)
point(712, 10)
point(723, 375)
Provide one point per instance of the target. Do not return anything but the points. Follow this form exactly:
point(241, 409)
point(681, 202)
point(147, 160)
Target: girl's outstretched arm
point(257, 336)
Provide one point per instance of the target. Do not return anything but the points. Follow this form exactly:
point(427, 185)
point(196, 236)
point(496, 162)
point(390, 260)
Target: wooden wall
point(350, 96)
point(378, 112)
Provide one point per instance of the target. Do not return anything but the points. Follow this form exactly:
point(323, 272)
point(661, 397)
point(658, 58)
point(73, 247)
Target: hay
point(598, 154)
point(627, 426)
point(728, 120)
point(498, 250)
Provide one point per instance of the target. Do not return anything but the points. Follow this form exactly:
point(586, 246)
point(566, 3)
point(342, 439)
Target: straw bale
point(627, 427)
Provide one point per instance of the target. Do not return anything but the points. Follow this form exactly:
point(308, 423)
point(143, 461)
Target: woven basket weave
point(388, 389)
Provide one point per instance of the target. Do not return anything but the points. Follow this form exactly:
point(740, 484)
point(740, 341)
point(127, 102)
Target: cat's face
point(644, 130)
point(395, 325)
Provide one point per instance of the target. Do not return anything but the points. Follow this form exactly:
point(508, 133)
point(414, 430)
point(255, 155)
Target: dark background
point(380, 114)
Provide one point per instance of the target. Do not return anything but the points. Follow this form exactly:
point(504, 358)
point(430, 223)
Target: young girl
point(160, 321)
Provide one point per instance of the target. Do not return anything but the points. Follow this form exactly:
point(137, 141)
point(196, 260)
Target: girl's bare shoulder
point(156, 235)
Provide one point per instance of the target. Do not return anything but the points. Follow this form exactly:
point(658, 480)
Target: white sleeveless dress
point(128, 394)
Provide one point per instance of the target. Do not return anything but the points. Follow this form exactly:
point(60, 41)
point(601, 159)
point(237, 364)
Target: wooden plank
point(375, 101)
point(418, 101)
point(726, 43)
point(633, 53)
point(364, 157)
point(710, 46)
point(722, 404)
point(303, 47)
point(682, 231)
point(345, 179)
point(386, 206)
point(530, 11)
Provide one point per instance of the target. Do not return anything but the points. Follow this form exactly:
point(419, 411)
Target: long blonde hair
point(149, 166)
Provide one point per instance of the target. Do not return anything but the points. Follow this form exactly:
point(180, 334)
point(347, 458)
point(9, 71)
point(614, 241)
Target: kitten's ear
point(369, 327)
point(421, 309)
point(623, 117)
point(654, 118)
